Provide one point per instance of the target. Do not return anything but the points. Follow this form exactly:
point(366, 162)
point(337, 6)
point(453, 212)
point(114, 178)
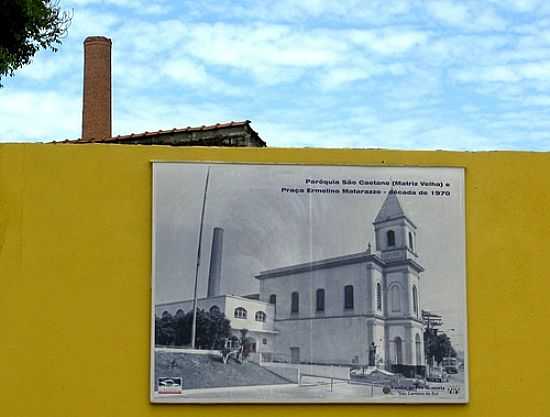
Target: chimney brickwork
point(96, 106)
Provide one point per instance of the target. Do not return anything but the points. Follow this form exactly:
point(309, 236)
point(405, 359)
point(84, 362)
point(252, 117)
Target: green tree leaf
point(27, 26)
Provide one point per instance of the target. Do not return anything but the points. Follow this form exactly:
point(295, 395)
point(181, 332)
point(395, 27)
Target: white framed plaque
point(308, 284)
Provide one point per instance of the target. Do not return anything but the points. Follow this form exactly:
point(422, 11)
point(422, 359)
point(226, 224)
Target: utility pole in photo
point(432, 322)
point(194, 325)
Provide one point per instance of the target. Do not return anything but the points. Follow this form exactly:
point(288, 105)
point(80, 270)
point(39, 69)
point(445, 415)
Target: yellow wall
point(75, 245)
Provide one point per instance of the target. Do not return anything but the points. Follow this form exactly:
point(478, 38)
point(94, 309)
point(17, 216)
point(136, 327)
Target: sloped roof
point(391, 209)
point(354, 258)
point(159, 133)
point(337, 261)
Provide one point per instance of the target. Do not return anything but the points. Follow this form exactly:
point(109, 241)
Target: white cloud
point(358, 69)
point(492, 74)
point(510, 73)
point(287, 135)
point(521, 6)
point(388, 41)
point(488, 19)
point(452, 137)
point(535, 70)
point(39, 116)
point(186, 71)
point(235, 45)
point(274, 53)
point(542, 101)
point(149, 114)
point(519, 54)
point(47, 66)
point(90, 22)
point(284, 11)
point(365, 129)
point(449, 12)
point(153, 7)
point(469, 16)
point(336, 77)
point(189, 73)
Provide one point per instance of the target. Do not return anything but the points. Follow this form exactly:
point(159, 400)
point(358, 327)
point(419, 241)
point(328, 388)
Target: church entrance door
point(294, 355)
point(398, 351)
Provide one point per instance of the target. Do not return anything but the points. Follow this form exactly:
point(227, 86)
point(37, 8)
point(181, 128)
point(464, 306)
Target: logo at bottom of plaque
point(170, 385)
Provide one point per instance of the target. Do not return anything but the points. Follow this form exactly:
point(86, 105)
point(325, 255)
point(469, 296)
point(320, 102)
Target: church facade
point(363, 308)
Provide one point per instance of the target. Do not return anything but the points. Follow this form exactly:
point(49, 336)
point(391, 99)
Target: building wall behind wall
point(75, 260)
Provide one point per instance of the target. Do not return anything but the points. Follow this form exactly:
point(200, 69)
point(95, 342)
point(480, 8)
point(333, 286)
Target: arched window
point(214, 310)
point(391, 238)
point(415, 300)
point(294, 302)
point(166, 315)
point(273, 299)
point(378, 297)
point(320, 300)
point(240, 313)
point(348, 296)
point(180, 314)
point(260, 316)
point(411, 246)
point(395, 298)
point(418, 350)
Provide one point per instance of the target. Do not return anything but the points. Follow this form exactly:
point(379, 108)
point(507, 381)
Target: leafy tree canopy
point(212, 329)
point(26, 26)
point(437, 346)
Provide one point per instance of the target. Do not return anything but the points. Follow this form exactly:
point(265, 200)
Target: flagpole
point(194, 326)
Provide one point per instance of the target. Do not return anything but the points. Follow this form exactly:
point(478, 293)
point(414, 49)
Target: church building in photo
point(358, 309)
point(354, 309)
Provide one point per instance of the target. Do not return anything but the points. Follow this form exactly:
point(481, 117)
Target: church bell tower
point(395, 233)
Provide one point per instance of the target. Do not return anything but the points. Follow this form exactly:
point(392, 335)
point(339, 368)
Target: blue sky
point(471, 75)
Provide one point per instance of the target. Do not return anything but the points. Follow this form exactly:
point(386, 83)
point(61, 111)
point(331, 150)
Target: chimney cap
point(101, 39)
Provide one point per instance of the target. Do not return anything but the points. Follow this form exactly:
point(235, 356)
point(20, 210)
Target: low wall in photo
point(289, 372)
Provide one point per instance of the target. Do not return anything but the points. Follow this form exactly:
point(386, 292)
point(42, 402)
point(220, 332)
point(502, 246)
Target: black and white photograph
point(278, 283)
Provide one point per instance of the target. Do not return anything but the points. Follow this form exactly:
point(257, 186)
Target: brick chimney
point(96, 103)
